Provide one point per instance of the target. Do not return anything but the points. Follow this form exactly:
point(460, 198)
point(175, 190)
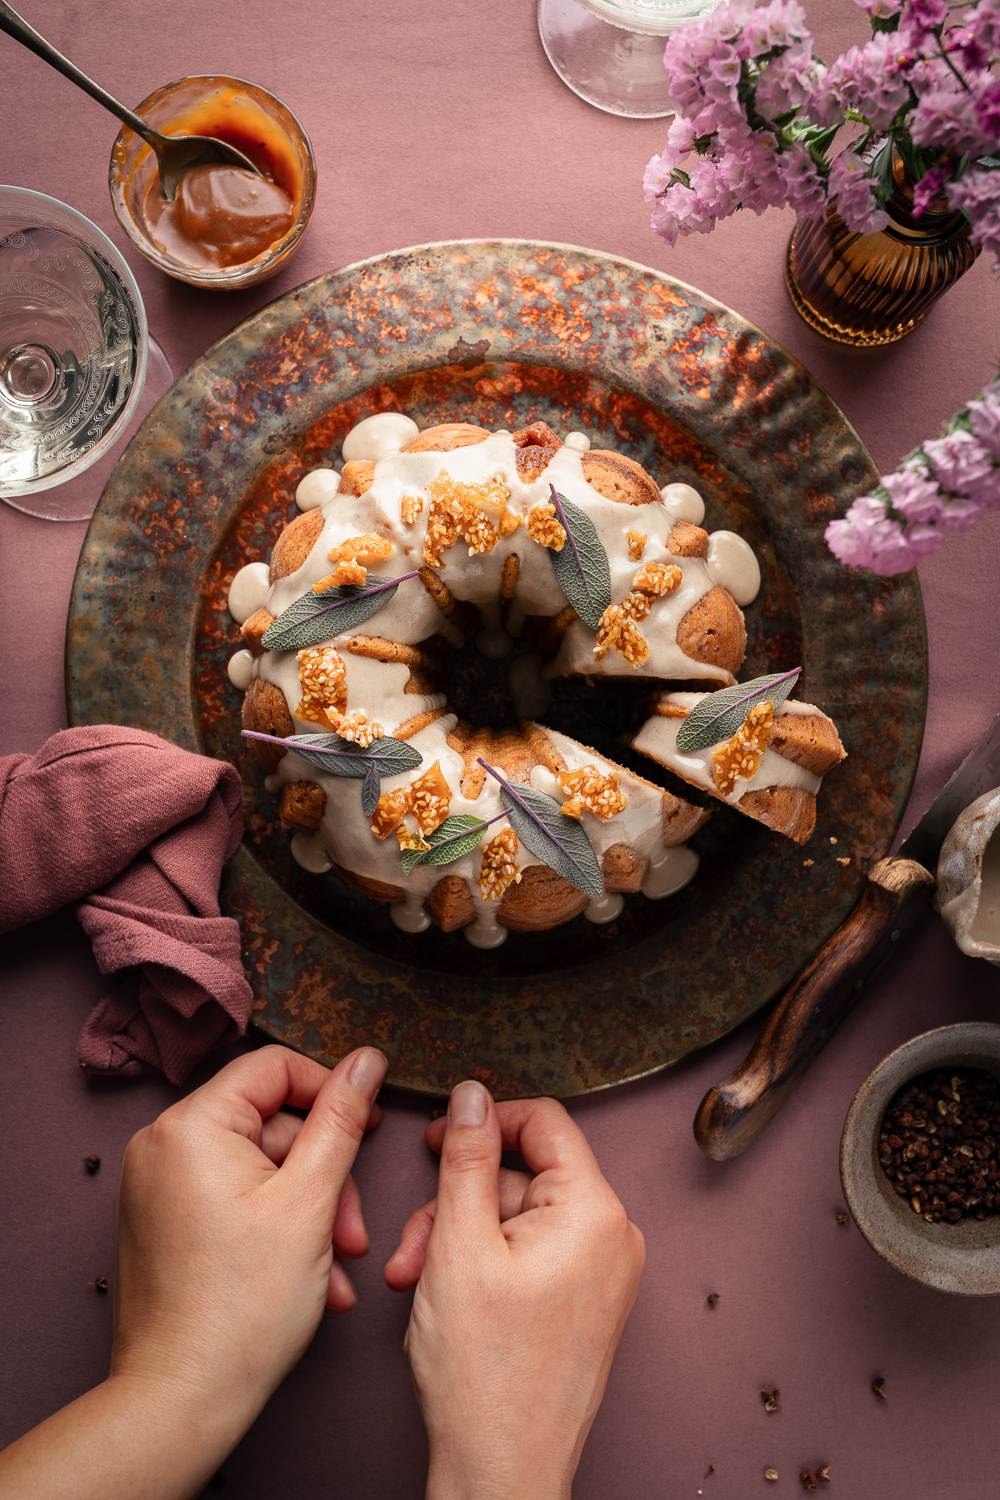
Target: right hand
point(524, 1283)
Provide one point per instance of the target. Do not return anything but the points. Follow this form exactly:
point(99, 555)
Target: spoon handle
point(17, 27)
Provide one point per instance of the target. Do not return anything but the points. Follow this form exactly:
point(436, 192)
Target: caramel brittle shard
point(617, 629)
point(545, 527)
point(409, 838)
point(499, 869)
point(323, 682)
point(590, 790)
point(410, 507)
point(478, 513)
point(740, 757)
point(430, 798)
point(357, 728)
point(390, 810)
point(352, 558)
point(636, 543)
point(657, 579)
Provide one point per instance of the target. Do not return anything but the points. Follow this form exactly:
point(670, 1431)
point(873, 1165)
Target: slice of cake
point(770, 768)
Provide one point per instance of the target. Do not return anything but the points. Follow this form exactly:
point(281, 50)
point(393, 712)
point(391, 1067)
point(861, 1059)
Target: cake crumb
point(807, 864)
point(844, 859)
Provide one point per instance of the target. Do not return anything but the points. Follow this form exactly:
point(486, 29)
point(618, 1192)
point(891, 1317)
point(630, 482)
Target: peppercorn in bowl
point(920, 1158)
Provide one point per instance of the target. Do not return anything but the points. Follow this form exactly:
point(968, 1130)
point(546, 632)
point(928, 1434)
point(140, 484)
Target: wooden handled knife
point(897, 893)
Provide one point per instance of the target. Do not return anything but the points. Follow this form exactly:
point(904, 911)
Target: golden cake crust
point(714, 631)
point(295, 544)
point(810, 740)
point(786, 809)
point(540, 900)
point(265, 710)
point(445, 437)
point(619, 478)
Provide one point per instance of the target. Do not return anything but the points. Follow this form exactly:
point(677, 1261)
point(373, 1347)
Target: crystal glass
point(873, 289)
point(74, 349)
point(610, 52)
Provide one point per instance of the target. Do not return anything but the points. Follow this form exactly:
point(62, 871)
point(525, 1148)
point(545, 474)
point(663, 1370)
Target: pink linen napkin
point(136, 831)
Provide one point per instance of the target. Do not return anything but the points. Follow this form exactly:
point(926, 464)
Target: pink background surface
point(432, 122)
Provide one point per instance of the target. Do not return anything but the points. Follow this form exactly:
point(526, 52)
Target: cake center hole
point(494, 690)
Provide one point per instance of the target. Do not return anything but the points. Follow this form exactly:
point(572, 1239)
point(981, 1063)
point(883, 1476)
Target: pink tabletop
point(437, 122)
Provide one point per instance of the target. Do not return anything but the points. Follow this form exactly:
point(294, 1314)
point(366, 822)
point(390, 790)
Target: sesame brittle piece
point(740, 757)
point(410, 507)
point(618, 629)
point(590, 790)
point(352, 559)
point(499, 868)
point(478, 513)
point(408, 838)
point(323, 681)
point(636, 543)
point(545, 528)
point(657, 579)
point(430, 798)
point(357, 728)
point(390, 810)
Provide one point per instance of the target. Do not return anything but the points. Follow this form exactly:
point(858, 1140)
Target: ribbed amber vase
point(868, 289)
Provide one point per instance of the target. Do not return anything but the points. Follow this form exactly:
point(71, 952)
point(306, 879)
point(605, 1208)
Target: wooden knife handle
point(733, 1113)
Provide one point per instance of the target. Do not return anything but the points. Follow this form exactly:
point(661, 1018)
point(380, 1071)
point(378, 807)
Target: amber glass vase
point(868, 289)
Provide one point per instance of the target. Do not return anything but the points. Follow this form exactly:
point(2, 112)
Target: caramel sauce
point(223, 215)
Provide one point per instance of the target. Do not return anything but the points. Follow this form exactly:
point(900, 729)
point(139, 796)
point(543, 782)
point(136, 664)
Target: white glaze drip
point(409, 915)
point(669, 873)
point(240, 670)
point(309, 851)
point(248, 591)
point(317, 488)
point(606, 908)
point(486, 931)
point(578, 440)
point(684, 503)
point(379, 436)
point(733, 564)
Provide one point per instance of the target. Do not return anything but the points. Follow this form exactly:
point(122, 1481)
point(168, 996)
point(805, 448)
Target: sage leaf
point(581, 568)
point(719, 715)
point(543, 827)
point(317, 617)
point(339, 757)
point(456, 837)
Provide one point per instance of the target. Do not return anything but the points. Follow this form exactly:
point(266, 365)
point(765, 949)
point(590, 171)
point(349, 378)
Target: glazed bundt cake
point(425, 543)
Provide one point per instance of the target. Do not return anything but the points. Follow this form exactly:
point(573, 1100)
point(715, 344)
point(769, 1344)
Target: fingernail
point(368, 1070)
point(467, 1105)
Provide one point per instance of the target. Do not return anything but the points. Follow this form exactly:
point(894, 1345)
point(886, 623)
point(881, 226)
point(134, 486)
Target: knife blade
point(896, 894)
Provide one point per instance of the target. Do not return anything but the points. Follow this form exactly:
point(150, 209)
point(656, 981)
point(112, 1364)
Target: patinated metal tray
point(501, 333)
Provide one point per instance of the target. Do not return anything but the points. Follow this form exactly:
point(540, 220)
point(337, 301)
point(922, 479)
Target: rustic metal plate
point(502, 333)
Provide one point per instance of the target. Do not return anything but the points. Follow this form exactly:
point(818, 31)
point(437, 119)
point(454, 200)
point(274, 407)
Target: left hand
point(232, 1214)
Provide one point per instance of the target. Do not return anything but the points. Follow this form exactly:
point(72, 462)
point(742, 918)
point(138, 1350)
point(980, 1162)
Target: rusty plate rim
point(81, 601)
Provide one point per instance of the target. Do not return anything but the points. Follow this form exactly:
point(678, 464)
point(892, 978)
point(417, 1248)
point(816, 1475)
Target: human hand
point(232, 1212)
point(523, 1286)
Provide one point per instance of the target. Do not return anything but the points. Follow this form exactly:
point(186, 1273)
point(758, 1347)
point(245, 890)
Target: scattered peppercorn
point(878, 1386)
point(843, 1219)
point(771, 1475)
point(939, 1145)
point(101, 1284)
point(92, 1163)
point(823, 1473)
point(713, 1300)
point(807, 1479)
point(771, 1400)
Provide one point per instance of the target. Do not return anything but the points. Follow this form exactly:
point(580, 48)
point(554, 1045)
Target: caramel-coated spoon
point(175, 154)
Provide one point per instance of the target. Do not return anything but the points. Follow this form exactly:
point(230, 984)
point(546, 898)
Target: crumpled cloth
point(134, 831)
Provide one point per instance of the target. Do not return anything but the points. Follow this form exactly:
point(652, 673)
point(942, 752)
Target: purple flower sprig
point(758, 114)
point(942, 486)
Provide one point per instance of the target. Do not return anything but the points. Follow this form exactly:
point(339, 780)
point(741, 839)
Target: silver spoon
point(175, 154)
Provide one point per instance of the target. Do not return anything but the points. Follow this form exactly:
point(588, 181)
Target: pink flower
point(881, 10)
point(977, 194)
point(963, 467)
point(867, 538)
point(866, 79)
point(851, 187)
point(928, 189)
point(913, 494)
point(800, 180)
point(788, 81)
point(945, 115)
point(984, 420)
point(988, 111)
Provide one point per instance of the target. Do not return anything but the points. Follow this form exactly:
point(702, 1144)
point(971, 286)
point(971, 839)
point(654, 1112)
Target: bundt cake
point(429, 540)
